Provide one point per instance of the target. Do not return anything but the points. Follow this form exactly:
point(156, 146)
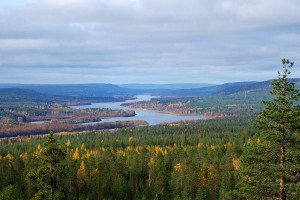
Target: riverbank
point(95, 116)
point(39, 129)
point(153, 117)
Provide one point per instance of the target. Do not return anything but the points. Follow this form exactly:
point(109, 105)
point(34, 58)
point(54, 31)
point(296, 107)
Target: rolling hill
point(226, 89)
point(109, 90)
point(79, 90)
point(174, 86)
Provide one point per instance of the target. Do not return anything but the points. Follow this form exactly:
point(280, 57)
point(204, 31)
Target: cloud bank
point(142, 41)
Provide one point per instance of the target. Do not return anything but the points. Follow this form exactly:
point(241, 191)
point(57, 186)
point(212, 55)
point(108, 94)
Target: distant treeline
point(44, 128)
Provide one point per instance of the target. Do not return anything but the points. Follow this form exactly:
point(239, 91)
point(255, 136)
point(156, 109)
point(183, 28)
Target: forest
point(247, 149)
point(189, 161)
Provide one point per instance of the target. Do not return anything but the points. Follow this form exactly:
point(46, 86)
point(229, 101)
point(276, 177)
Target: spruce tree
point(48, 178)
point(271, 160)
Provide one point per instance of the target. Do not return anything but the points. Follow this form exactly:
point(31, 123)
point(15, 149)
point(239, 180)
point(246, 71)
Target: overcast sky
point(147, 41)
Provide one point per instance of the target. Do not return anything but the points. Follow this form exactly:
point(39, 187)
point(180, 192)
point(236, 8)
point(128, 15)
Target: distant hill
point(227, 89)
point(10, 85)
point(23, 95)
point(207, 91)
point(174, 86)
point(109, 90)
point(82, 90)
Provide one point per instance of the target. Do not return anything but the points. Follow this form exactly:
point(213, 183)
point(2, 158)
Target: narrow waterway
point(152, 117)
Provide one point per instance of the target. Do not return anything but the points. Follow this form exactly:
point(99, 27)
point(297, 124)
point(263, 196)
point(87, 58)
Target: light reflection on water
point(152, 117)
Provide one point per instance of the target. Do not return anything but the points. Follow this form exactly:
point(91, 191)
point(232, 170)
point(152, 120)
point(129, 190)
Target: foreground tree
point(271, 160)
point(49, 176)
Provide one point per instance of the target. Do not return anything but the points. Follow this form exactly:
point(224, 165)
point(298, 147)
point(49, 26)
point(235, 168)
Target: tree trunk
point(282, 194)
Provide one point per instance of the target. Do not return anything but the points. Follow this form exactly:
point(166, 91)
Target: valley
point(135, 146)
point(26, 111)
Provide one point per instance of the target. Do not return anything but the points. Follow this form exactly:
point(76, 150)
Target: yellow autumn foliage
point(62, 133)
point(148, 147)
point(83, 147)
point(24, 156)
point(10, 159)
point(151, 163)
point(228, 145)
point(76, 155)
point(202, 178)
point(178, 167)
point(165, 152)
point(68, 143)
point(258, 141)
point(81, 176)
point(95, 153)
point(211, 170)
point(82, 167)
point(200, 144)
point(236, 164)
point(95, 172)
point(38, 151)
point(212, 147)
point(138, 149)
point(87, 154)
point(120, 152)
point(157, 149)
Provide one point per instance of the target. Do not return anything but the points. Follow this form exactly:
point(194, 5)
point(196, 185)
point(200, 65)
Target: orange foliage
point(236, 163)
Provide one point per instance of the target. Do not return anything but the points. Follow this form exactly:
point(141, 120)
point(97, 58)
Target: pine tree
point(48, 178)
point(8, 193)
point(271, 160)
point(81, 178)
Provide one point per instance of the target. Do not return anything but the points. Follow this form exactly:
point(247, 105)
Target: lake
point(152, 117)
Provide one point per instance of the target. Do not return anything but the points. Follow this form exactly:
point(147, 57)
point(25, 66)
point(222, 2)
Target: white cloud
point(162, 35)
point(24, 44)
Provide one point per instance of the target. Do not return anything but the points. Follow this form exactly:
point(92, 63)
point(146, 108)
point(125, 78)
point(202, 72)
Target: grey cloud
point(137, 40)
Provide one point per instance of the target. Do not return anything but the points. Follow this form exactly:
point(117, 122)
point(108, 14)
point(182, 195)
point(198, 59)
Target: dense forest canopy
point(195, 161)
point(204, 159)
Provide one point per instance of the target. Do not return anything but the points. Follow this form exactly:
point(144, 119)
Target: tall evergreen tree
point(271, 160)
point(48, 178)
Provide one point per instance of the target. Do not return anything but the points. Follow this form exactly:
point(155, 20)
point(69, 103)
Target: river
point(152, 117)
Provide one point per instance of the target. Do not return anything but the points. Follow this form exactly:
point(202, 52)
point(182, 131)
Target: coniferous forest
point(241, 155)
point(196, 161)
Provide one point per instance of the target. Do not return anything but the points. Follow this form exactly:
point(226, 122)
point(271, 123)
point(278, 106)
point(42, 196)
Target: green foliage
point(8, 193)
point(270, 162)
point(48, 178)
point(193, 161)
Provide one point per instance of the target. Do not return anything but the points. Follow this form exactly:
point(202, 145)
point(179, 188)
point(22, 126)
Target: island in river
point(152, 117)
point(94, 116)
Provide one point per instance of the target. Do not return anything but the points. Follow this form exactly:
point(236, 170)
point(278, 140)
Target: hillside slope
point(226, 89)
point(80, 90)
point(109, 90)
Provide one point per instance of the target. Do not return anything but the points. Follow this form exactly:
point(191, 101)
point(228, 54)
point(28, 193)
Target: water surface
point(152, 117)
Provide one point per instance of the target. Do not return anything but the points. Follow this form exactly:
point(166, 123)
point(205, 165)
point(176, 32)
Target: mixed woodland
point(191, 161)
point(245, 149)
